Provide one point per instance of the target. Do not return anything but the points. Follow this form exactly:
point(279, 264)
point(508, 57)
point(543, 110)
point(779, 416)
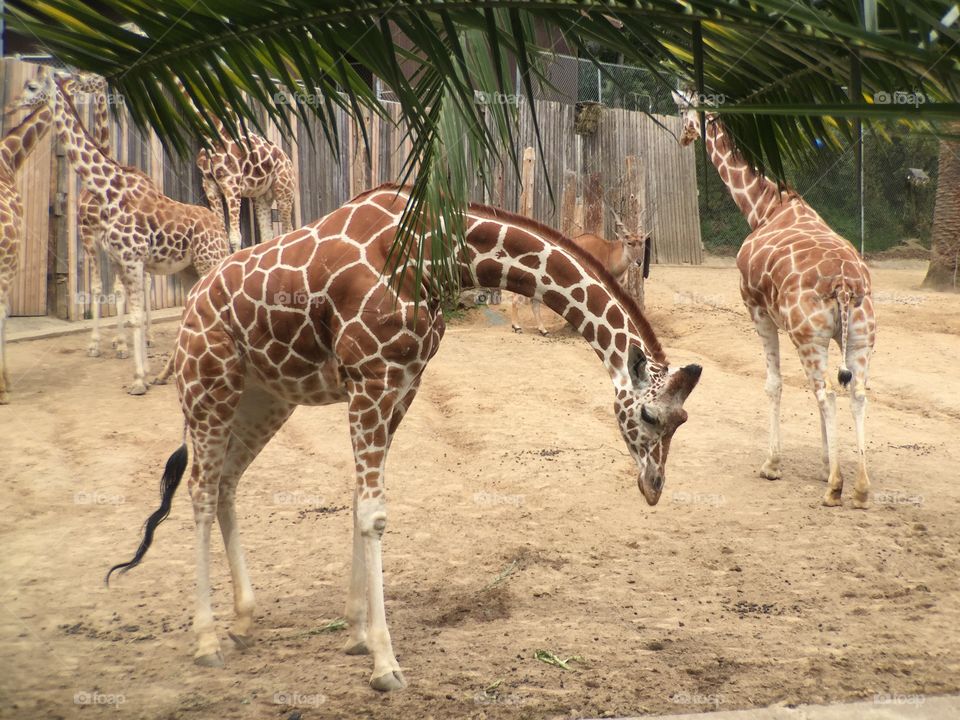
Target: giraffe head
point(689, 115)
point(36, 91)
point(649, 413)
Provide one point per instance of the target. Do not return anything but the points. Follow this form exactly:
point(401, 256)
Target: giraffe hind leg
point(857, 360)
point(258, 417)
point(770, 337)
point(210, 412)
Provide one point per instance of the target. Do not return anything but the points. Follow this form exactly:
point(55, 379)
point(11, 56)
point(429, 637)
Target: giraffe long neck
point(20, 141)
point(754, 193)
point(101, 120)
point(512, 253)
point(94, 168)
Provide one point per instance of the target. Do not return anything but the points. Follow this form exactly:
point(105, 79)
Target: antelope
point(615, 255)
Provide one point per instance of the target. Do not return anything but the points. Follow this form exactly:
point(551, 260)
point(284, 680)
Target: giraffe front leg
point(147, 300)
point(372, 521)
point(535, 307)
point(133, 283)
point(120, 336)
point(374, 416)
point(515, 314)
point(96, 297)
point(356, 610)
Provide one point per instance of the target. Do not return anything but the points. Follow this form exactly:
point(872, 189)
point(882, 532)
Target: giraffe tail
point(172, 474)
point(843, 304)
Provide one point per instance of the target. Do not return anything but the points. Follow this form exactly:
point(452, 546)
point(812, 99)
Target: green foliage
point(894, 209)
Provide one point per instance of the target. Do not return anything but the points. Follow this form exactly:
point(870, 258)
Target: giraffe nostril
point(658, 483)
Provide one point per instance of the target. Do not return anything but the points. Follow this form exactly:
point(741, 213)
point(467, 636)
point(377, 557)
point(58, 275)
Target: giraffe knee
point(371, 518)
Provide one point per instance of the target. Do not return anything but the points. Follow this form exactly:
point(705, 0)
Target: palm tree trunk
point(945, 244)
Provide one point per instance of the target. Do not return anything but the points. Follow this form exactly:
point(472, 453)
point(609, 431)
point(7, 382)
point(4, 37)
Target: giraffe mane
point(555, 237)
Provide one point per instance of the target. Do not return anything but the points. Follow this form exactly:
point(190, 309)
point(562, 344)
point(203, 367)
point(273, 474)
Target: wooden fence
point(54, 276)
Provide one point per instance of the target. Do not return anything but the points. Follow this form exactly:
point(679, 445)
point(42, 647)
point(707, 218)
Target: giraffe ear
point(637, 365)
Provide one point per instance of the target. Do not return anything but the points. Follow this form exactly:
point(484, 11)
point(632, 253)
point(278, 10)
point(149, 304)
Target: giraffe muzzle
point(651, 486)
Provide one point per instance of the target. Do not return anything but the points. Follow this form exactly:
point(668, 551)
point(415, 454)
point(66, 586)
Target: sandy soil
point(515, 525)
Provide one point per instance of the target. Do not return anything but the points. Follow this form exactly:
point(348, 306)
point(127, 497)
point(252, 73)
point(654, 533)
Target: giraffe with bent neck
point(144, 230)
point(15, 147)
point(615, 255)
point(799, 276)
point(311, 318)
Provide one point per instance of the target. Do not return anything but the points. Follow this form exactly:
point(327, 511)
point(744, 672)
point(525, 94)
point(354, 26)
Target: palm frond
point(782, 66)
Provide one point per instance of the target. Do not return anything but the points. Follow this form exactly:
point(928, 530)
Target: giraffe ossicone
point(799, 276)
point(310, 318)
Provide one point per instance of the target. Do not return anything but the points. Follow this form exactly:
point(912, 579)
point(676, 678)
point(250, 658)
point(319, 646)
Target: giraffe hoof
point(388, 682)
point(243, 642)
point(211, 660)
point(93, 351)
point(832, 500)
point(356, 647)
point(544, 333)
point(861, 501)
point(517, 330)
point(138, 388)
point(770, 472)
point(4, 399)
point(122, 354)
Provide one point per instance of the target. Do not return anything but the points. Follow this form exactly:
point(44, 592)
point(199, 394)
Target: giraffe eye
point(647, 416)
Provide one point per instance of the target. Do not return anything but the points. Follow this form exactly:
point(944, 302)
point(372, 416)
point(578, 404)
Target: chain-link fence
point(899, 186)
point(564, 78)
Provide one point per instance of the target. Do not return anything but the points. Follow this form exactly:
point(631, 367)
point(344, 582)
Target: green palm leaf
point(781, 65)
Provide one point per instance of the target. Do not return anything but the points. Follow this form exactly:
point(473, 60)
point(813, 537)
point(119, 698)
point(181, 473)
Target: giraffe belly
point(301, 383)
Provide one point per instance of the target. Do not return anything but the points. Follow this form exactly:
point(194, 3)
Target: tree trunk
point(945, 241)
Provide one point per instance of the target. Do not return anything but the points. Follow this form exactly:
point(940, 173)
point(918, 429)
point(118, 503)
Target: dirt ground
point(515, 525)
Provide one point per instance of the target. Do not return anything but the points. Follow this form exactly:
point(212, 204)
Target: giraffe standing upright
point(144, 230)
point(91, 229)
point(309, 318)
point(799, 276)
point(258, 169)
point(14, 149)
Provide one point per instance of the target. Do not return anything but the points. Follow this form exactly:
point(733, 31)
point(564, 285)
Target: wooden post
point(634, 220)
point(568, 203)
point(526, 179)
point(360, 165)
point(593, 205)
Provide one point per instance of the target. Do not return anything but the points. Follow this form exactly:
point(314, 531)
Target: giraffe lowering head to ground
point(615, 255)
point(799, 276)
point(15, 147)
point(257, 169)
point(144, 230)
point(309, 318)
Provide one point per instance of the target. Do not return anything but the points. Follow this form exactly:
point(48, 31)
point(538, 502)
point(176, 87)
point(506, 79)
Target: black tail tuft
point(844, 376)
point(172, 474)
